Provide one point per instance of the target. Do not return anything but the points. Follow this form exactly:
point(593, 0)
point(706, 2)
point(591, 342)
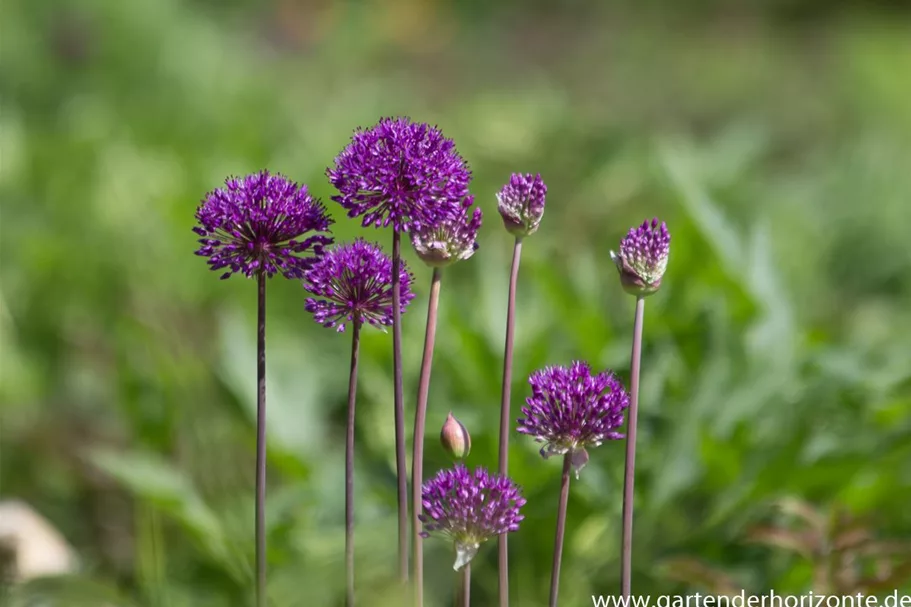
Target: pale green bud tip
point(455, 438)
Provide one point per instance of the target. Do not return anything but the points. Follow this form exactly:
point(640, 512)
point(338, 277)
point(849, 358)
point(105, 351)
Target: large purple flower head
point(570, 409)
point(261, 223)
point(521, 203)
point(643, 257)
point(353, 283)
point(400, 172)
point(470, 508)
point(451, 239)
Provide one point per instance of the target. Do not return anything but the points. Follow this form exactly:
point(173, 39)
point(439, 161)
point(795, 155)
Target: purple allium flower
point(452, 239)
point(643, 257)
point(570, 409)
point(470, 508)
point(400, 172)
point(353, 282)
point(260, 223)
point(521, 203)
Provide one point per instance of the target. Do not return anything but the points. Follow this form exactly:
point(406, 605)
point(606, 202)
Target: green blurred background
point(773, 137)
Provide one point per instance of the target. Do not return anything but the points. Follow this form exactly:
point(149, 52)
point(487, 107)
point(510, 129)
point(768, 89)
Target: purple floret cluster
point(451, 239)
point(643, 257)
point(400, 173)
point(470, 507)
point(353, 283)
point(570, 409)
point(521, 203)
point(261, 222)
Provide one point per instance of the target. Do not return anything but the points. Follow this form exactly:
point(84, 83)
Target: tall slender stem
point(261, 442)
point(420, 421)
point(399, 406)
point(349, 466)
point(561, 530)
point(466, 585)
point(630, 471)
point(503, 546)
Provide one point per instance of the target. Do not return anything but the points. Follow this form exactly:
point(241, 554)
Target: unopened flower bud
point(455, 438)
point(642, 259)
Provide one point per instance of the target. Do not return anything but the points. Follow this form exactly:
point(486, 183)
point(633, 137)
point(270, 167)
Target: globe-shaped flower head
point(353, 283)
point(643, 258)
point(470, 508)
point(521, 203)
point(570, 409)
point(261, 223)
point(448, 240)
point(401, 173)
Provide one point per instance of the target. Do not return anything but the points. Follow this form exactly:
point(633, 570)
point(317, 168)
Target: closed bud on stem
point(455, 438)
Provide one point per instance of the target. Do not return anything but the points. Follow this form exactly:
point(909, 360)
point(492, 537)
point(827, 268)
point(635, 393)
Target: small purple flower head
point(455, 438)
point(353, 283)
point(570, 409)
point(521, 203)
point(470, 508)
point(261, 223)
point(449, 240)
point(400, 172)
point(643, 258)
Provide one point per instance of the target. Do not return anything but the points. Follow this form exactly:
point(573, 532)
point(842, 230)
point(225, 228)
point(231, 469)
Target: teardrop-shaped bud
point(455, 438)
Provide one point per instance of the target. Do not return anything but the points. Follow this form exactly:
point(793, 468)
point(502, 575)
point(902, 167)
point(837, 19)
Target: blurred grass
point(776, 358)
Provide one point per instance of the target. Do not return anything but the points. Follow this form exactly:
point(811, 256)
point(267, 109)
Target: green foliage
point(776, 360)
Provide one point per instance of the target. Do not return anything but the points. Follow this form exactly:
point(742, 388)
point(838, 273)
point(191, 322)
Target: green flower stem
point(630, 471)
point(399, 406)
point(349, 466)
point(420, 421)
point(503, 546)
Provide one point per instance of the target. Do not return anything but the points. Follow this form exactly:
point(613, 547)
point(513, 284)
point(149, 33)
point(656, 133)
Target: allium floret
point(643, 257)
point(261, 223)
point(470, 508)
point(352, 282)
point(521, 203)
point(570, 410)
point(401, 173)
point(448, 240)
